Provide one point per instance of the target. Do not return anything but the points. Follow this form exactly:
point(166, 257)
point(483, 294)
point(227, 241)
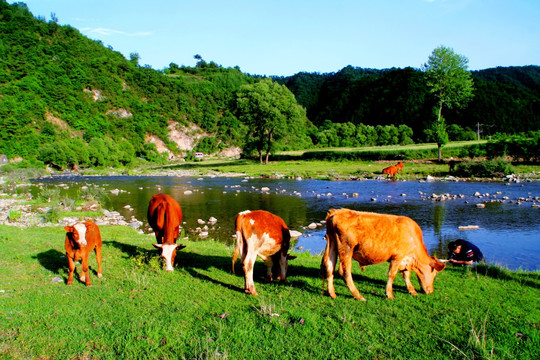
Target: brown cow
point(82, 238)
point(164, 216)
point(371, 238)
point(399, 166)
point(264, 234)
point(391, 171)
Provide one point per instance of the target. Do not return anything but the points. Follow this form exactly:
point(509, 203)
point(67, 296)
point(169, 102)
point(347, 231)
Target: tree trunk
point(439, 145)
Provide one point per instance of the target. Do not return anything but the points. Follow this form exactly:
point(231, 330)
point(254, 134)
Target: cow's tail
point(239, 246)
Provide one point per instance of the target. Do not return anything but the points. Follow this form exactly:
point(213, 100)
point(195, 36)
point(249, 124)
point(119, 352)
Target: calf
point(261, 233)
point(82, 238)
point(371, 238)
point(164, 216)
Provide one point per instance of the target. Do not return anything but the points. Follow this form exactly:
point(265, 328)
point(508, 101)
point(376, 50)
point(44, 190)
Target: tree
point(268, 109)
point(450, 83)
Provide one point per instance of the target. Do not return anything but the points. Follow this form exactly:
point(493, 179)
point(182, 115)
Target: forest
point(69, 100)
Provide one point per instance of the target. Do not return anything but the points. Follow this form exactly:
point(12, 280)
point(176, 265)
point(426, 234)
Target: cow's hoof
point(99, 275)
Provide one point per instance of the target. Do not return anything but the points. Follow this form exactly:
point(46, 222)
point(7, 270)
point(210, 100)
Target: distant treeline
point(506, 100)
point(66, 99)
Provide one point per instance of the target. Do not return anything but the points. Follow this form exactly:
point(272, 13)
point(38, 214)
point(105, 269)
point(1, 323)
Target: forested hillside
point(71, 100)
point(506, 100)
point(66, 99)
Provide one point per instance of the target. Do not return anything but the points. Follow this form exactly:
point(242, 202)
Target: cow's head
point(168, 252)
point(426, 274)
point(280, 265)
point(77, 234)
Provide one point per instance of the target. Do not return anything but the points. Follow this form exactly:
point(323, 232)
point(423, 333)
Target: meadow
point(199, 311)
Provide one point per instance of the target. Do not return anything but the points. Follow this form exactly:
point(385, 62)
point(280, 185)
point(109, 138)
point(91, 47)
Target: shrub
point(483, 168)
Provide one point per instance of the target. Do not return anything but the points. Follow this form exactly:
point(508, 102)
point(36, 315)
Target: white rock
point(312, 226)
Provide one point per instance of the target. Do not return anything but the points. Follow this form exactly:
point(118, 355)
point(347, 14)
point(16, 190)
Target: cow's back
point(374, 237)
point(163, 208)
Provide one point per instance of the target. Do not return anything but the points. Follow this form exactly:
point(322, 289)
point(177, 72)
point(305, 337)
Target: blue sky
point(284, 37)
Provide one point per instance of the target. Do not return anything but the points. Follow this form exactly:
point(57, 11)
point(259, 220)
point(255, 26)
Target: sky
point(284, 37)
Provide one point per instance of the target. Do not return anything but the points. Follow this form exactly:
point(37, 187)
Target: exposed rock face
point(120, 113)
point(187, 138)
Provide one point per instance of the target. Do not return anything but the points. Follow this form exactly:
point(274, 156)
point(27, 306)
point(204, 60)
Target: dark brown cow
point(165, 216)
point(261, 233)
point(82, 238)
point(371, 238)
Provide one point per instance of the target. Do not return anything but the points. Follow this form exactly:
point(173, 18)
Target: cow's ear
point(68, 228)
point(159, 246)
point(291, 257)
point(437, 265)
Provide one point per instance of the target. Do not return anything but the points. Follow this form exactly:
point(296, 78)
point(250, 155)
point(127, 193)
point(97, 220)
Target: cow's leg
point(407, 276)
point(248, 264)
point(98, 258)
point(85, 277)
point(392, 272)
point(71, 265)
point(328, 266)
point(346, 263)
point(269, 266)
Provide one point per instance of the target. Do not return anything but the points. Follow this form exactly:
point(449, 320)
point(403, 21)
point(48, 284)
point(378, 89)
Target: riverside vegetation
point(199, 311)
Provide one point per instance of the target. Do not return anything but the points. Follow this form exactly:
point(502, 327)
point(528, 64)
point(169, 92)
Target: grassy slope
point(138, 310)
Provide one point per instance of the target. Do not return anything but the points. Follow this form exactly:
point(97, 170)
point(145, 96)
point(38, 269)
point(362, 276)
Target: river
point(508, 230)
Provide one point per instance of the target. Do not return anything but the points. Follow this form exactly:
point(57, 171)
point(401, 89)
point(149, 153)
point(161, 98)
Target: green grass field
point(199, 311)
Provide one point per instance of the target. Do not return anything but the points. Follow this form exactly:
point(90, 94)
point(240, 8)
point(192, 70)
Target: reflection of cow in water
point(392, 171)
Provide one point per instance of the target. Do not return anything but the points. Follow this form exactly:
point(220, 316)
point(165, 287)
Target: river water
point(508, 230)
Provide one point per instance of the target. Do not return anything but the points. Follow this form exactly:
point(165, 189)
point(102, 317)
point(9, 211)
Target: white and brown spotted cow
point(164, 216)
point(81, 239)
point(372, 238)
point(261, 233)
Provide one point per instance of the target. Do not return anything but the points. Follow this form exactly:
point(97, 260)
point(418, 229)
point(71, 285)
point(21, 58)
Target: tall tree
point(268, 109)
point(452, 85)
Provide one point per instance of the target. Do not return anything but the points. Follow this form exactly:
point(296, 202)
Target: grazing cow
point(264, 234)
point(164, 216)
point(82, 238)
point(371, 238)
point(391, 171)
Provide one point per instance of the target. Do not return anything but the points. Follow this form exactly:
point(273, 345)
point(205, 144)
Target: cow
point(391, 171)
point(164, 216)
point(261, 233)
point(81, 239)
point(372, 238)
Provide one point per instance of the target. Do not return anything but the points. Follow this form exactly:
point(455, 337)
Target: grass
point(199, 311)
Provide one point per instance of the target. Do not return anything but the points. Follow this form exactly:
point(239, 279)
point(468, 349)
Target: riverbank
point(199, 310)
point(312, 169)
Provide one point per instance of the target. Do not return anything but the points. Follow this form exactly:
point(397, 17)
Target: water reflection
point(508, 234)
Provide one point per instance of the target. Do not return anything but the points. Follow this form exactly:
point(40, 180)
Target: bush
point(483, 168)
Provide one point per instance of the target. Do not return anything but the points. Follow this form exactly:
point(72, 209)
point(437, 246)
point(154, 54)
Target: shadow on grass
point(496, 272)
point(196, 265)
point(52, 260)
point(55, 261)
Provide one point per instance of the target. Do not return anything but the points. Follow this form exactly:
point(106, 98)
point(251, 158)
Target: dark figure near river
point(462, 252)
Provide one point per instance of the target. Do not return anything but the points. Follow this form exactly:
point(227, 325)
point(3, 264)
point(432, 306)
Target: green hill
point(66, 99)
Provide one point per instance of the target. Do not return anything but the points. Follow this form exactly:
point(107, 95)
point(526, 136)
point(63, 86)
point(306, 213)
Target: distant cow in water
point(261, 233)
point(165, 216)
point(81, 239)
point(392, 171)
point(372, 238)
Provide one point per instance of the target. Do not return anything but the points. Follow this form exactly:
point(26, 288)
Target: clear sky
point(284, 37)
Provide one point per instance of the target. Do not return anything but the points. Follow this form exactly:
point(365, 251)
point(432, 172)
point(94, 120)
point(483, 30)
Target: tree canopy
point(452, 85)
point(271, 114)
